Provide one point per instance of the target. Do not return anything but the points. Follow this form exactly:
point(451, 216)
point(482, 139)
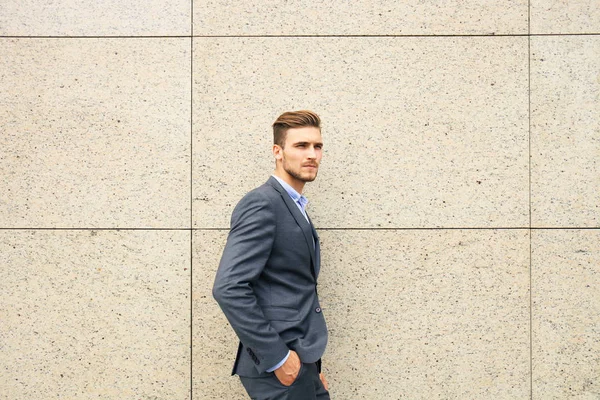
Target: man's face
point(301, 155)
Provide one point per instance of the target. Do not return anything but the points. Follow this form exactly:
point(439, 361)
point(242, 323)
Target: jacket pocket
point(274, 313)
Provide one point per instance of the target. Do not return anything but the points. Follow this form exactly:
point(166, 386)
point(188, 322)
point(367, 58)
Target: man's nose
point(312, 153)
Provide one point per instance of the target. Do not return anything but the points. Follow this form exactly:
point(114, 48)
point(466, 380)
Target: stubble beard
point(298, 175)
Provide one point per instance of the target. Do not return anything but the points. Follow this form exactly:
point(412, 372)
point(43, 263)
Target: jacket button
point(318, 309)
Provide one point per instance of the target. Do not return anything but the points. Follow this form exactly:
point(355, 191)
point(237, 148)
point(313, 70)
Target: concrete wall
point(458, 201)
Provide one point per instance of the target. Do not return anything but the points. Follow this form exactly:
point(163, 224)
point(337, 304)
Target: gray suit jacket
point(266, 283)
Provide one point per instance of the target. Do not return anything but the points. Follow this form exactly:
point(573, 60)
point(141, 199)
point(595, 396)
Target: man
point(266, 283)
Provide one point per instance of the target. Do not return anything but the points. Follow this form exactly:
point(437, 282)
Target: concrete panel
point(565, 131)
point(95, 132)
point(94, 314)
point(95, 18)
point(427, 314)
point(572, 16)
point(339, 17)
point(416, 314)
point(418, 132)
point(566, 314)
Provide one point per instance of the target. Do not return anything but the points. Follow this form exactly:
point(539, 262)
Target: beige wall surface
point(458, 202)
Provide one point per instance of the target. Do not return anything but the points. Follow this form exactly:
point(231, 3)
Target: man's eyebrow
point(305, 143)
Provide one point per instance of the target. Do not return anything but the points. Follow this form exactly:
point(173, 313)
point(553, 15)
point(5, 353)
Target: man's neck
point(290, 180)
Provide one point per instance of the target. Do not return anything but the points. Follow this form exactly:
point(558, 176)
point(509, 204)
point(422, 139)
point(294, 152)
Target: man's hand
point(288, 372)
point(324, 381)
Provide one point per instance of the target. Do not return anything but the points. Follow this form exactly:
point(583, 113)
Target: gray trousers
point(307, 386)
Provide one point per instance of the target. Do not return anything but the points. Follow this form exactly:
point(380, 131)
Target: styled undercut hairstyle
point(293, 119)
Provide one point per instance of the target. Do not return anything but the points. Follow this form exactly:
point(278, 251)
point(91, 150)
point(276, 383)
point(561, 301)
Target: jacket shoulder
point(262, 198)
point(260, 193)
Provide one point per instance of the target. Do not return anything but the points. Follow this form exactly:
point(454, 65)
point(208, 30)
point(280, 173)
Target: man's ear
point(277, 152)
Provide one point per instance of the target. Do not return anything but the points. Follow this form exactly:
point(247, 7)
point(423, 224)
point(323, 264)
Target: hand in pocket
point(288, 372)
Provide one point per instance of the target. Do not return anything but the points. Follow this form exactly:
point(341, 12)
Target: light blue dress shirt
point(301, 202)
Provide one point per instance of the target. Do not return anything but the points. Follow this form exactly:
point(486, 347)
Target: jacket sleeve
point(252, 234)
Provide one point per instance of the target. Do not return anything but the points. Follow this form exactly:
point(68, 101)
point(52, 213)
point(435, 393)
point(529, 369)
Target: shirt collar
point(297, 197)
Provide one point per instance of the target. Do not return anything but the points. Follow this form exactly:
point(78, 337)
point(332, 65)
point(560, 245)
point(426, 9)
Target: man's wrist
point(280, 363)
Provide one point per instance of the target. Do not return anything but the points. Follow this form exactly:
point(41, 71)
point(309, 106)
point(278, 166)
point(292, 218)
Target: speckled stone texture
point(566, 314)
point(435, 136)
point(565, 131)
point(95, 18)
point(565, 16)
point(361, 17)
point(427, 314)
point(445, 143)
point(94, 314)
point(95, 133)
point(412, 314)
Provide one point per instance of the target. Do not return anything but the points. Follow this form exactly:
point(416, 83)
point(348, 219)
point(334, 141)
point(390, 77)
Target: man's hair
point(293, 119)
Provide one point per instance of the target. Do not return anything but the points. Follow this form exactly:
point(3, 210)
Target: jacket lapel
point(306, 227)
point(317, 248)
